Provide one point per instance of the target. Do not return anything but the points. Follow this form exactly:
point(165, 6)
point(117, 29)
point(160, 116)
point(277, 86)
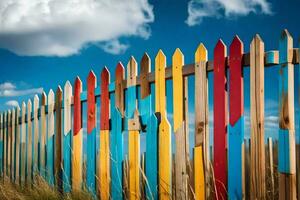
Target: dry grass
point(40, 190)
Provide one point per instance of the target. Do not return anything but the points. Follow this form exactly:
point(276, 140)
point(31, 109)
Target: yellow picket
point(104, 165)
point(201, 123)
point(164, 168)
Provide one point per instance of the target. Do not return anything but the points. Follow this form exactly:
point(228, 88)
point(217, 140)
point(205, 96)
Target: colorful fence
point(45, 138)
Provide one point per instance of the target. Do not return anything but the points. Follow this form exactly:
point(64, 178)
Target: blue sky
point(42, 50)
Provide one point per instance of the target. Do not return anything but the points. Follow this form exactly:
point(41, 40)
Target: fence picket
point(58, 162)
point(77, 138)
point(236, 119)
point(201, 150)
point(287, 157)
point(119, 88)
point(91, 131)
point(17, 147)
point(1, 143)
point(36, 135)
point(220, 120)
point(164, 149)
point(67, 137)
point(12, 145)
point(29, 144)
point(50, 139)
point(145, 101)
point(43, 135)
point(23, 160)
point(133, 131)
point(5, 144)
point(257, 174)
point(104, 174)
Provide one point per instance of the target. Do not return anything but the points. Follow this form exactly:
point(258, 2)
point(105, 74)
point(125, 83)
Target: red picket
point(77, 106)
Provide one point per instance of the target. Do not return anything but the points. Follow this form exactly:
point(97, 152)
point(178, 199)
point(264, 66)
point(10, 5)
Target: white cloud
point(114, 47)
point(199, 9)
point(61, 28)
point(14, 93)
point(12, 103)
point(7, 86)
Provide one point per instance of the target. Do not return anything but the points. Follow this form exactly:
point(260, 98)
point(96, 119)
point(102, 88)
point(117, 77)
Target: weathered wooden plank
point(119, 87)
point(133, 131)
point(91, 131)
point(58, 163)
point(12, 145)
point(180, 156)
point(236, 119)
point(67, 137)
point(145, 101)
point(43, 135)
point(77, 138)
point(35, 138)
point(50, 139)
point(5, 144)
point(17, 147)
point(104, 174)
point(271, 165)
point(151, 157)
point(23, 146)
point(257, 175)
point(29, 148)
point(220, 120)
point(116, 147)
point(201, 151)
point(164, 149)
point(287, 155)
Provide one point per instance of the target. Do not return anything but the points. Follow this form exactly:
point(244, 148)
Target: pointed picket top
point(91, 85)
point(92, 79)
point(35, 103)
point(29, 105)
point(160, 60)
point(104, 118)
point(201, 53)
point(50, 96)
point(160, 90)
point(18, 108)
point(58, 90)
point(256, 40)
point(145, 70)
point(177, 64)
point(119, 88)
point(44, 98)
point(220, 47)
point(23, 107)
point(77, 106)
point(236, 45)
point(68, 90)
point(131, 72)
point(285, 47)
point(77, 84)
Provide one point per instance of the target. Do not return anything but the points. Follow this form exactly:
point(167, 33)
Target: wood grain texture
point(58, 163)
point(12, 145)
point(271, 166)
point(5, 143)
point(104, 185)
point(29, 144)
point(67, 137)
point(91, 131)
point(220, 120)
point(236, 119)
point(119, 88)
point(1, 143)
point(17, 147)
point(257, 175)
point(201, 156)
point(144, 79)
point(50, 139)
point(35, 153)
point(133, 131)
point(23, 146)
point(287, 151)
point(43, 135)
point(77, 138)
point(160, 85)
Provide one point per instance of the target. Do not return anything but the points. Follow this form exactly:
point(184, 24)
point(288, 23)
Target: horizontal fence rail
point(54, 138)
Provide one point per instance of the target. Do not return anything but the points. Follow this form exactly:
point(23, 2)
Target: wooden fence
point(44, 138)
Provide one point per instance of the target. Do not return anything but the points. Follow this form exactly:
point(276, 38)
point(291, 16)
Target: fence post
point(43, 135)
point(58, 171)
point(179, 130)
point(286, 163)
point(165, 155)
point(77, 138)
point(1, 144)
point(271, 165)
point(35, 138)
point(91, 131)
point(50, 139)
point(29, 144)
point(257, 179)
point(104, 185)
point(23, 146)
point(236, 126)
point(5, 144)
point(201, 150)
point(133, 131)
point(17, 147)
point(220, 120)
point(12, 145)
